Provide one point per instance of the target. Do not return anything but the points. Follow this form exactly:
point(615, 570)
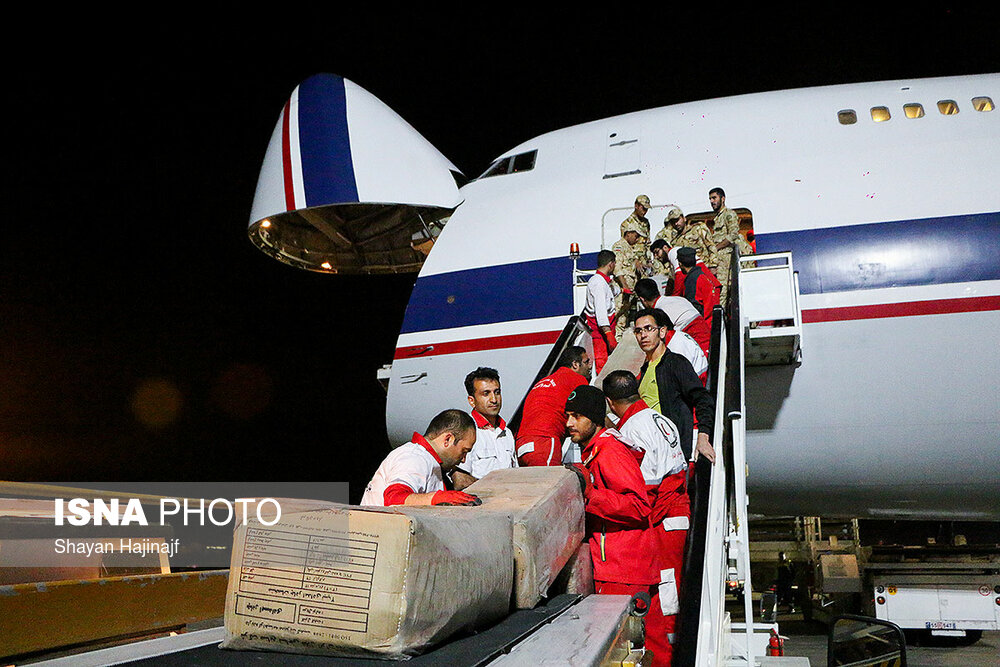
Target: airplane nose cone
point(347, 186)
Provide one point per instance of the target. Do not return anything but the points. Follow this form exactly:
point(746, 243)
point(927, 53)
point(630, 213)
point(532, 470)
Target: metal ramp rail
point(718, 541)
point(571, 333)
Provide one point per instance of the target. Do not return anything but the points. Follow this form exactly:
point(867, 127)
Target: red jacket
point(544, 413)
point(703, 294)
point(700, 331)
point(618, 512)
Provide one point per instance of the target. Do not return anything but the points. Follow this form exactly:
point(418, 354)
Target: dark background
point(142, 337)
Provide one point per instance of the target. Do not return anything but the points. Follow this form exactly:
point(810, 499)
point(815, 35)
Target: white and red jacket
point(680, 343)
point(678, 309)
point(655, 435)
point(411, 468)
point(686, 318)
point(665, 470)
point(494, 448)
point(600, 306)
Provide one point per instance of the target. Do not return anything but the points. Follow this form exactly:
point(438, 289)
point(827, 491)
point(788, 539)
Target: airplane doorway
point(612, 219)
point(746, 224)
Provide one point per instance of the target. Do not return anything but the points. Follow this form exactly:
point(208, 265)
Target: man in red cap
point(543, 418)
point(413, 474)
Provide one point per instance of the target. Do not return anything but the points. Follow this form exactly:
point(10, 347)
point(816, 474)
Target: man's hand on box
point(586, 483)
point(455, 498)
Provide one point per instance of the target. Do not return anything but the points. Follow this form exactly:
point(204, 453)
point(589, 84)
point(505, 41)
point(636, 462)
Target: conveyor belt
point(470, 651)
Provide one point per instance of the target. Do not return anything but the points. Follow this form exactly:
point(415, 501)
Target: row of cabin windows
point(914, 110)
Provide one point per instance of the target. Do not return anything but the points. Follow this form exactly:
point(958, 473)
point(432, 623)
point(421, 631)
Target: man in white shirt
point(494, 447)
point(666, 255)
point(413, 474)
point(678, 309)
point(599, 310)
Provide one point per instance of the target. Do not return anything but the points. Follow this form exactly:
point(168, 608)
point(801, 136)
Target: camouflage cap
point(632, 225)
point(673, 214)
point(644, 200)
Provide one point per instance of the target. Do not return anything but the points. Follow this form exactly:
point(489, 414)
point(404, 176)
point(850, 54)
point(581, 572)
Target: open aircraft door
point(332, 198)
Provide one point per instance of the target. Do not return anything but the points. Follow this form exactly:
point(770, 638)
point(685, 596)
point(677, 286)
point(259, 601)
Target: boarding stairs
point(762, 325)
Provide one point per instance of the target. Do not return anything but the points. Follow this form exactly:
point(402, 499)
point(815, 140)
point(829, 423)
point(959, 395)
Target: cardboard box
point(368, 582)
point(839, 573)
point(547, 507)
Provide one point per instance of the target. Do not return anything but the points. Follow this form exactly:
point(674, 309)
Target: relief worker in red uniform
point(600, 311)
point(664, 470)
point(616, 501)
point(543, 418)
point(697, 284)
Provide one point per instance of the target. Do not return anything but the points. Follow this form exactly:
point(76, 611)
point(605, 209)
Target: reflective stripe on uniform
point(676, 523)
point(669, 602)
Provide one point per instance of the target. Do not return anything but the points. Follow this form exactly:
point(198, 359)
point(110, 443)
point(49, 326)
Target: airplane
point(885, 194)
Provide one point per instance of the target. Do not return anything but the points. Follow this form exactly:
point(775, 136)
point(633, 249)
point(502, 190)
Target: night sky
point(143, 337)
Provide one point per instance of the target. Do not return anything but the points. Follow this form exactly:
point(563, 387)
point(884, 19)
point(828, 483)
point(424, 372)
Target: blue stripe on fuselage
point(961, 248)
point(931, 251)
point(520, 291)
point(324, 143)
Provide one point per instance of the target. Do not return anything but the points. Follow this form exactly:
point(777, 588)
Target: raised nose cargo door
point(347, 186)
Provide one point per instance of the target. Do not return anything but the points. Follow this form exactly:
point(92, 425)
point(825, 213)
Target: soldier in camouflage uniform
point(669, 231)
point(694, 235)
point(725, 235)
point(633, 262)
point(638, 217)
point(668, 234)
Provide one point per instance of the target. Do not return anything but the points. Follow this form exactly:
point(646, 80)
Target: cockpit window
point(499, 167)
point(512, 164)
point(524, 162)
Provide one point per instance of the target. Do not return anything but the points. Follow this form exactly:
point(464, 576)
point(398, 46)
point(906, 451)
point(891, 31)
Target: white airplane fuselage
point(894, 228)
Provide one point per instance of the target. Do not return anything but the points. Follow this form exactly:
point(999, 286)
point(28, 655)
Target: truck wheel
point(970, 638)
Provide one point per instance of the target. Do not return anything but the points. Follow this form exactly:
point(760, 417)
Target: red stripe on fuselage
point(840, 314)
point(906, 309)
point(286, 158)
point(478, 344)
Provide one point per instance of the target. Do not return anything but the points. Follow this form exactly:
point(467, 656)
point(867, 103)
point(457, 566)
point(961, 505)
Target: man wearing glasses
point(669, 385)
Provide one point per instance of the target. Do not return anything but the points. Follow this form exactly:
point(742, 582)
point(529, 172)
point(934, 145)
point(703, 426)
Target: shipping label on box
point(351, 581)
